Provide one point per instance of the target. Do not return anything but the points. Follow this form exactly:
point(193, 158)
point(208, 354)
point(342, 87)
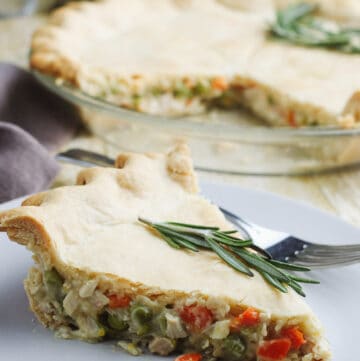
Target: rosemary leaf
point(297, 288)
point(289, 266)
point(191, 238)
point(274, 282)
point(230, 232)
point(232, 250)
point(229, 258)
point(261, 264)
point(193, 226)
point(230, 241)
point(293, 13)
point(303, 280)
point(225, 235)
point(299, 24)
point(185, 244)
point(167, 239)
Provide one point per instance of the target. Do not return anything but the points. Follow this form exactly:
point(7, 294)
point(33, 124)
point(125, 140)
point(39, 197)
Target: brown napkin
point(32, 122)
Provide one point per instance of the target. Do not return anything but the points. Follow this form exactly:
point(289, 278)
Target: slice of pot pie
point(172, 57)
point(101, 274)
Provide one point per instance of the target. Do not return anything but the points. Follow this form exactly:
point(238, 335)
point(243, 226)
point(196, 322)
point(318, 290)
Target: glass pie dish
point(221, 140)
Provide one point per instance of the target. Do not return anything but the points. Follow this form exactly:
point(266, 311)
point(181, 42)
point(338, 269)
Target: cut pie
point(101, 274)
point(181, 57)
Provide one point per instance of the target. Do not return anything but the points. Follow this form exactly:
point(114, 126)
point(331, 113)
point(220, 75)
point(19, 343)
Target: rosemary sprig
point(299, 24)
point(240, 254)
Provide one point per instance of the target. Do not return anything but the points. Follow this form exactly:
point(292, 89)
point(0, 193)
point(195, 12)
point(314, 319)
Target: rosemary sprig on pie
point(299, 24)
point(242, 255)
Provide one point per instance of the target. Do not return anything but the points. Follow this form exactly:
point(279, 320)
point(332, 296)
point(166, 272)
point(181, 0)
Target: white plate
point(335, 300)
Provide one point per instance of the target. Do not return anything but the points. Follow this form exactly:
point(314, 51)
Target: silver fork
point(281, 246)
point(285, 247)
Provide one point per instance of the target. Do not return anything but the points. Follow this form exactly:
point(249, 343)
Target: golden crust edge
point(42, 55)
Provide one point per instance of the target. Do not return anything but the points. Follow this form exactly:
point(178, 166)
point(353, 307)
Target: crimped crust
point(44, 55)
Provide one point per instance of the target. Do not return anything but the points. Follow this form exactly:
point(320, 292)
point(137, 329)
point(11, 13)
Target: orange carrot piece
point(249, 318)
point(197, 317)
point(116, 301)
point(295, 336)
point(274, 350)
point(219, 83)
point(189, 357)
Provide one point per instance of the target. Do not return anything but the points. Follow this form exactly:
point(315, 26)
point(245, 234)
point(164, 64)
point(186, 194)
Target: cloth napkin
point(34, 123)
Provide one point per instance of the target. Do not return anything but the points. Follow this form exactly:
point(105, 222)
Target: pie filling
point(78, 308)
point(187, 96)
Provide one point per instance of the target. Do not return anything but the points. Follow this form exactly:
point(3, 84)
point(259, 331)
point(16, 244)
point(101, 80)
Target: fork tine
point(333, 257)
point(346, 248)
point(285, 247)
point(318, 265)
point(313, 250)
point(329, 253)
point(322, 262)
point(310, 255)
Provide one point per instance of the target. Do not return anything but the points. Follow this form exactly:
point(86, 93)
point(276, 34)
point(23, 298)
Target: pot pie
point(99, 274)
point(177, 57)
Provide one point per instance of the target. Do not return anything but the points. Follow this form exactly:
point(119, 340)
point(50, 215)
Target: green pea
point(52, 277)
point(115, 323)
point(201, 88)
point(141, 314)
point(182, 91)
point(233, 348)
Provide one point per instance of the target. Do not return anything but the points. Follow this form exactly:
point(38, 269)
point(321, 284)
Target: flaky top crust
point(92, 226)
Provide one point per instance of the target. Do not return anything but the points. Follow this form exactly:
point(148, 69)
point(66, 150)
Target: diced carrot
point(291, 119)
point(249, 318)
point(189, 357)
point(219, 83)
point(274, 350)
point(116, 301)
point(197, 317)
point(295, 336)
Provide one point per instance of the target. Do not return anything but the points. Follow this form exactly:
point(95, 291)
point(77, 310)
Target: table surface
point(337, 193)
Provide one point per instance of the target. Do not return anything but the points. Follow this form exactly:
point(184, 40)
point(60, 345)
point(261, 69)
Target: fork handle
point(85, 158)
